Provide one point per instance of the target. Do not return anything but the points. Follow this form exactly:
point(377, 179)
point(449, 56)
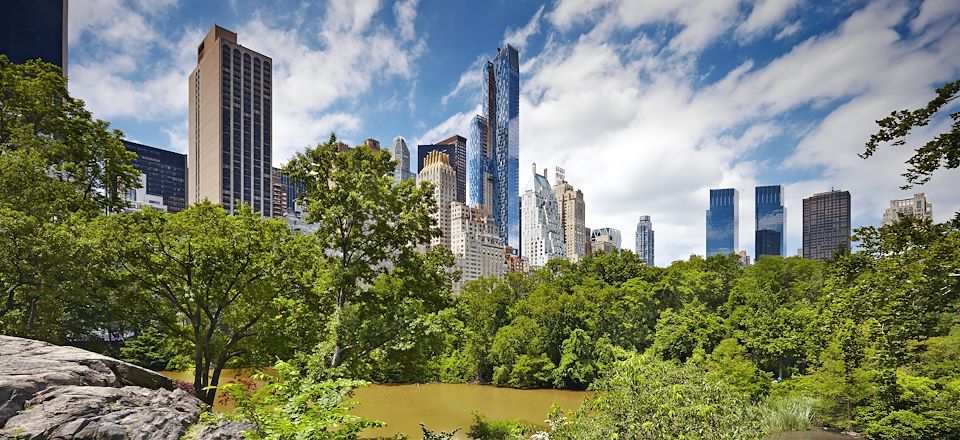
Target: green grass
point(794, 413)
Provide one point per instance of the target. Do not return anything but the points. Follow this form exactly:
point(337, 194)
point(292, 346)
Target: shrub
point(483, 429)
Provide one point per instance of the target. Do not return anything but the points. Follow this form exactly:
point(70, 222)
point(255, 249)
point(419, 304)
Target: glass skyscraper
point(645, 240)
point(501, 108)
point(35, 29)
point(477, 162)
point(770, 221)
point(401, 154)
point(723, 221)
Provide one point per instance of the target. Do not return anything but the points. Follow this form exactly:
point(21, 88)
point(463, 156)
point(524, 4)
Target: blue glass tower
point(501, 108)
point(770, 221)
point(477, 161)
point(723, 221)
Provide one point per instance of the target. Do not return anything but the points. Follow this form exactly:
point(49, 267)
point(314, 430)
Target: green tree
point(209, 278)
point(642, 397)
point(59, 167)
point(728, 363)
point(939, 152)
point(369, 227)
point(291, 404)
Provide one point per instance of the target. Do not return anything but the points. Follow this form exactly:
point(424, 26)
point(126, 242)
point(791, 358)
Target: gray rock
point(28, 367)
point(48, 391)
point(227, 430)
point(93, 412)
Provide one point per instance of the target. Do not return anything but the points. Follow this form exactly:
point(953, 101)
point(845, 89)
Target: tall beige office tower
point(476, 243)
point(230, 126)
point(916, 207)
point(572, 217)
point(437, 170)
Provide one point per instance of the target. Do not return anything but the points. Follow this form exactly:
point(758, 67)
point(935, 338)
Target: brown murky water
point(445, 407)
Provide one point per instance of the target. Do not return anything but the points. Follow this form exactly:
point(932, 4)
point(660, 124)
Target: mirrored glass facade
point(476, 161)
point(770, 221)
point(723, 221)
point(502, 110)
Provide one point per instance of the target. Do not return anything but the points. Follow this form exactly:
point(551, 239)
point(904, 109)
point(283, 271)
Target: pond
point(445, 407)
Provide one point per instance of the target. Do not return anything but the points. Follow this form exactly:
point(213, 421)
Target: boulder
point(95, 412)
point(49, 391)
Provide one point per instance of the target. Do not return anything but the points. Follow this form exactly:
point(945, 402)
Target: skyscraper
point(401, 154)
point(501, 110)
point(542, 235)
point(645, 240)
point(572, 218)
point(770, 221)
point(723, 221)
point(230, 124)
point(165, 173)
point(437, 170)
point(455, 147)
point(479, 180)
point(614, 234)
point(475, 243)
point(826, 224)
point(35, 29)
point(916, 207)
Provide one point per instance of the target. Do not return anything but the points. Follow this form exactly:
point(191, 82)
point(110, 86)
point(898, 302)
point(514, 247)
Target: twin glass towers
point(493, 148)
point(723, 221)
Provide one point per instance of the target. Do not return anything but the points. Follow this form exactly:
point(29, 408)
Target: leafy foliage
point(291, 404)
point(642, 397)
point(941, 151)
point(379, 285)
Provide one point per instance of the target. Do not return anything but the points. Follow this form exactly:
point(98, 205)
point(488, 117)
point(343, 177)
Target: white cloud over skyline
point(627, 96)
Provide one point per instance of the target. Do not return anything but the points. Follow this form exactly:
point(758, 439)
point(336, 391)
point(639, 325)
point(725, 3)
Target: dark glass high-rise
point(34, 29)
point(723, 221)
point(770, 221)
point(166, 173)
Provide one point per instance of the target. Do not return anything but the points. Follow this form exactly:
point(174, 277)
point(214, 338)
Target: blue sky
point(646, 104)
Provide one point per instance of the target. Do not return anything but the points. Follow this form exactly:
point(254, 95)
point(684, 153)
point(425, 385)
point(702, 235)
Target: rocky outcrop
point(49, 391)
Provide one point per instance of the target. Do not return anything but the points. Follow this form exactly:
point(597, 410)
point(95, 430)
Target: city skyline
point(739, 116)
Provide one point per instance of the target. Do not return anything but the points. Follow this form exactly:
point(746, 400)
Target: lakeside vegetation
point(869, 341)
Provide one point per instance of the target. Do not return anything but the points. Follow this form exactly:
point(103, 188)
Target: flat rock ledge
point(53, 392)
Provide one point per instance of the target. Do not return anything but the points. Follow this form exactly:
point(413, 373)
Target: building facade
point(34, 29)
point(475, 243)
point(456, 149)
point(230, 127)
point(723, 236)
point(501, 110)
point(916, 207)
point(138, 198)
point(614, 233)
point(826, 224)
point(437, 170)
point(770, 222)
point(644, 246)
point(572, 219)
point(401, 154)
point(372, 143)
point(602, 243)
point(165, 174)
point(479, 180)
point(542, 234)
